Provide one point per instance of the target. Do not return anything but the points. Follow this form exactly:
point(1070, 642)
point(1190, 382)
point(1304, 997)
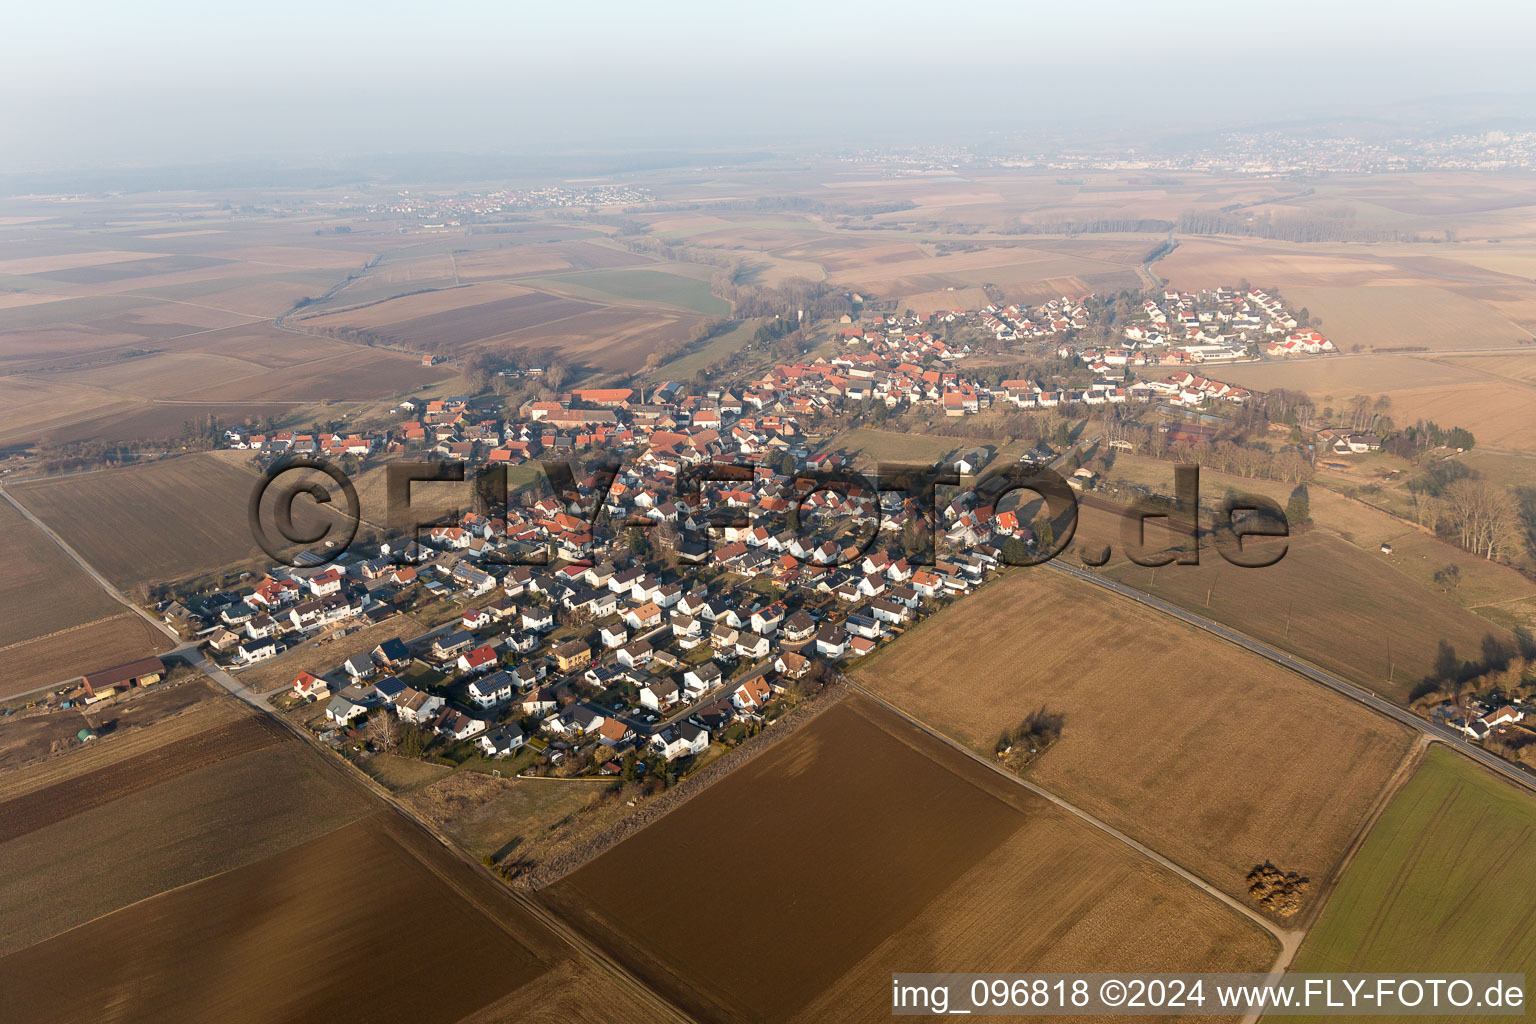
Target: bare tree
point(383, 730)
point(1484, 516)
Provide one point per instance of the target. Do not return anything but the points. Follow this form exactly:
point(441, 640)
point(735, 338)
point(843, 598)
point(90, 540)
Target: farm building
point(136, 673)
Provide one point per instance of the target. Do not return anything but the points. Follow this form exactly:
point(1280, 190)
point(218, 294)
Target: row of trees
point(1483, 516)
point(1285, 229)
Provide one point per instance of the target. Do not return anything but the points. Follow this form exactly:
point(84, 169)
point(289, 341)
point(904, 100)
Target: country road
point(189, 652)
point(185, 650)
point(1516, 774)
point(1289, 939)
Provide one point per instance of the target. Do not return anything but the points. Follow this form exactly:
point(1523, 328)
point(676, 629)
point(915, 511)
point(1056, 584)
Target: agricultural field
point(305, 934)
point(1028, 274)
point(460, 320)
point(1334, 598)
point(1482, 587)
point(34, 564)
point(191, 844)
point(170, 519)
point(75, 650)
point(537, 259)
point(1379, 297)
point(1185, 742)
point(1336, 379)
point(952, 884)
point(664, 286)
point(1326, 601)
point(1393, 316)
point(1493, 396)
point(722, 346)
point(213, 817)
point(1437, 884)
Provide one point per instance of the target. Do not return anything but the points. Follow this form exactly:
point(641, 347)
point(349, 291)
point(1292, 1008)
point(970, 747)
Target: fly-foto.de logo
point(828, 516)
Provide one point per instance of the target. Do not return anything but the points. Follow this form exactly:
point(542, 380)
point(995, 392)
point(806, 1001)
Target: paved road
point(188, 651)
point(185, 650)
point(1359, 694)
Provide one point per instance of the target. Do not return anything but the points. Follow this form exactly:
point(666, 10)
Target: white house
point(488, 691)
point(658, 694)
point(501, 741)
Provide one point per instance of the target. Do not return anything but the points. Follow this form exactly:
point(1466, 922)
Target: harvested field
point(1500, 414)
point(1416, 553)
point(1026, 274)
point(1439, 883)
point(34, 564)
point(67, 653)
point(470, 324)
point(170, 519)
point(133, 269)
point(32, 409)
point(1326, 601)
point(355, 374)
point(1185, 742)
point(295, 257)
point(157, 421)
point(204, 821)
point(267, 346)
point(614, 339)
point(419, 305)
point(933, 831)
point(1520, 368)
point(296, 937)
point(40, 808)
point(1394, 316)
point(1211, 262)
point(167, 375)
point(536, 259)
point(70, 261)
point(1334, 380)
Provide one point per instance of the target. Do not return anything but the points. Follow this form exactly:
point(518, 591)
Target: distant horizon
point(1437, 117)
point(170, 83)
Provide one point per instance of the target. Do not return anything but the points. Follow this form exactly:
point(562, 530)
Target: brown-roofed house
point(572, 655)
point(135, 673)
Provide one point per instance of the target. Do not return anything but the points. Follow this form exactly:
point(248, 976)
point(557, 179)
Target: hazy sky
point(168, 81)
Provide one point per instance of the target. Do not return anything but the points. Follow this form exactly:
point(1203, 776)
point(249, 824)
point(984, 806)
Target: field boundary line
point(1407, 767)
point(1288, 938)
point(607, 838)
point(576, 943)
point(1362, 695)
point(105, 583)
point(60, 632)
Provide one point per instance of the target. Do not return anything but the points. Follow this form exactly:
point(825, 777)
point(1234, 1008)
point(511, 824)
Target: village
point(667, 620)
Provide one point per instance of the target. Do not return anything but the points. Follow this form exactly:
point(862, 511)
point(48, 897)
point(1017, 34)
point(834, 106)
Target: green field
point(720, 347)
point(640, 285)
point(1441, 883)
